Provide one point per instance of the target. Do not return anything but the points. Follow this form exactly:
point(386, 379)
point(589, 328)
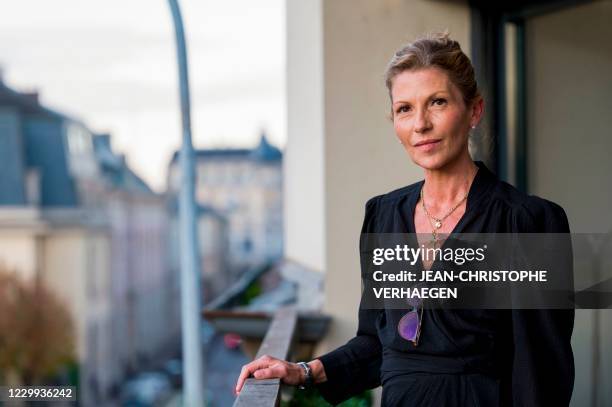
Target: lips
point(427, 142)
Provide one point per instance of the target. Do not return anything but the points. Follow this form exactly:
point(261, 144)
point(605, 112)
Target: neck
point(445, 186)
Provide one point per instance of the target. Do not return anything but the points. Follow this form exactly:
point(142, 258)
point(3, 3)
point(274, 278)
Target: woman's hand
point(267, 367)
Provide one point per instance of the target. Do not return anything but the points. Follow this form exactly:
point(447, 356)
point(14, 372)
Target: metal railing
point(277, 343)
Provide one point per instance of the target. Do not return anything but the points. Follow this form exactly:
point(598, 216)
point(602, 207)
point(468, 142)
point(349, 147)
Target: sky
point(112, 65)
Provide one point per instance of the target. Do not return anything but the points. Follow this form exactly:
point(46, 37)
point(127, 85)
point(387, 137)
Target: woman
point(463, 357)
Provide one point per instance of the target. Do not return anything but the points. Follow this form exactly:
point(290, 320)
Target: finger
point(244, 373)
point(274, 371)
point(248, 369)
point(264, 374)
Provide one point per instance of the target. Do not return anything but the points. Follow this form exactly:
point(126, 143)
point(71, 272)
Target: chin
point(445, 158)
point(431, 162)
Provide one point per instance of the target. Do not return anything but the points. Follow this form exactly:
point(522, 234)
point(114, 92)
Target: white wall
point(303, 162)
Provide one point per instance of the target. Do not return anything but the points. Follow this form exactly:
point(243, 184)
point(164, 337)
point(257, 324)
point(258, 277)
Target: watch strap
point(308, 380)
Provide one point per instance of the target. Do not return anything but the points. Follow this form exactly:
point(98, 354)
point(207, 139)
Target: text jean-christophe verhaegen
point(409, 256)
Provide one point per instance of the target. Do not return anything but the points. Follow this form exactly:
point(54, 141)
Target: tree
point(36, 330)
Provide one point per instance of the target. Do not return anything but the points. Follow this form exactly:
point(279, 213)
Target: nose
point(421, 121)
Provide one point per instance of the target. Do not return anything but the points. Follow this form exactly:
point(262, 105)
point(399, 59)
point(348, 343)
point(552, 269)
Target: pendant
point(438, 224)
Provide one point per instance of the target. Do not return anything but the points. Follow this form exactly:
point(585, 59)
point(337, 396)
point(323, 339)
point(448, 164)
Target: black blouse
point(464, 357)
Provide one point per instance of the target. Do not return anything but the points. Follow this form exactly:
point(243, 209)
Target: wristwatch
point(307, 375)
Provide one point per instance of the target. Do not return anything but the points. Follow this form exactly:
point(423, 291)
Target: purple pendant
point(408, 326)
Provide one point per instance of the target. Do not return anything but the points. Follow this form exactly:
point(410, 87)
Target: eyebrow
point(428, 97)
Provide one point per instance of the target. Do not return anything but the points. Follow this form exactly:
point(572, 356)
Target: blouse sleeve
point(542, 363)
point(355, 366)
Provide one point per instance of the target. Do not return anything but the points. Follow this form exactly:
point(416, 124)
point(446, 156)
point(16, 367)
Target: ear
point(477, 111)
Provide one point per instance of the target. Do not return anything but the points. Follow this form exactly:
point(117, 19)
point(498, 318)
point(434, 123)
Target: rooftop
point(263, 152)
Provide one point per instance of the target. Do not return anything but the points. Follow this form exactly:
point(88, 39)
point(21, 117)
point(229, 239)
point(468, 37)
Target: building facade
point(244, 188)
point(73, 214)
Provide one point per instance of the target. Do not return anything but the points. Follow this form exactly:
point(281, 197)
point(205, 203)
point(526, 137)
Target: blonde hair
point(436, 50)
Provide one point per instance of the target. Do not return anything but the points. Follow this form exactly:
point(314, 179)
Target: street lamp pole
point(191, 301)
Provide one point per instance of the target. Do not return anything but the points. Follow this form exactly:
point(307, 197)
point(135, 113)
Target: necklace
point(436, 223)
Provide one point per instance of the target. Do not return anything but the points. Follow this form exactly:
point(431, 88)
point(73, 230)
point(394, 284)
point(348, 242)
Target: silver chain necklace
point(436, 223)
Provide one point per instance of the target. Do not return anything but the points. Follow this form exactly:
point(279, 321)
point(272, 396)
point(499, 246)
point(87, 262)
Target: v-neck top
point(526, 353)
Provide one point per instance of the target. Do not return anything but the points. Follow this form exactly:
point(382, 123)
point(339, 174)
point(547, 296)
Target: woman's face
point(430, 117)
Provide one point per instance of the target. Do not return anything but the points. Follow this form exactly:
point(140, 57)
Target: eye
point(438, 102)
point(403, 109)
